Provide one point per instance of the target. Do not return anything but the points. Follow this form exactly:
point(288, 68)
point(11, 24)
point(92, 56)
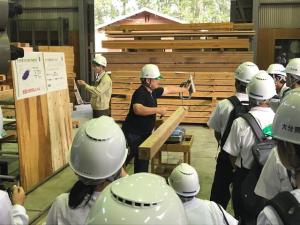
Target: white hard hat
point(293, 68)
point(246, 71)
point(286, 124)
point(99, 149)
point(150, 71)
point(276, 69)
point(142, 198)
point(100, 60)
point(261, 87)
point(184, 180)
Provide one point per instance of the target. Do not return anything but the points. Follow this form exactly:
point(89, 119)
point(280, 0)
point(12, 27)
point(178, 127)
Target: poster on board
point(55, 71)
point(29, 75)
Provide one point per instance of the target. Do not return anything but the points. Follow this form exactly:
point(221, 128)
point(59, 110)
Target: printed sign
point(55, 71)
point(29, 75)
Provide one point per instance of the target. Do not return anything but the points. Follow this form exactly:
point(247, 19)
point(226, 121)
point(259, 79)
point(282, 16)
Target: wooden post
point(149, 148)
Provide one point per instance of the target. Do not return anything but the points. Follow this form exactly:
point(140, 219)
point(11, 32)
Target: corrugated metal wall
point(51, 9)
point(279, 14)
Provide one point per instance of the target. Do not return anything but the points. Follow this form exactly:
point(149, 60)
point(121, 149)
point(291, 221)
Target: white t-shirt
point(9, 214)
point(279, 182)
point(204, 212)
point(61, 214)
point(268, 216)
point(219, 118)
point(241, 137)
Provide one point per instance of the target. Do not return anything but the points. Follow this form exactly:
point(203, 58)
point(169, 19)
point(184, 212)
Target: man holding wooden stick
point(140, 120)
point(102, 89)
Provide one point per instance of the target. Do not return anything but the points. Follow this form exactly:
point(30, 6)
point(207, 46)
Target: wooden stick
point(149, 148)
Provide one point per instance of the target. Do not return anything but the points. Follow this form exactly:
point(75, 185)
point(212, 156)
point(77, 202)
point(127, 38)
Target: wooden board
point(149, 148)
point(177, 44)
point(60, 125)
point(162, 27)
point(44, 131)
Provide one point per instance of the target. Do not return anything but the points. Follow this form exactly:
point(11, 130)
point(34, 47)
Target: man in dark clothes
point(140, 120)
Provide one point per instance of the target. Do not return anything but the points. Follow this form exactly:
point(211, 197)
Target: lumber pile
point(210, 87)
point(70, 65)
point(208, 51)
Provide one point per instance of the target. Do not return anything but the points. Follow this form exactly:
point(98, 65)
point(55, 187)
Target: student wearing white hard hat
point(281, 181)
point(97, 156)
point(284, 207)
point(140, 120)
point(13, 212)
point(293, 73)
point(241, 138)
point(185, 181)
point(221, 121)
point(141, 198)
point(102, 89)
point(277, 72)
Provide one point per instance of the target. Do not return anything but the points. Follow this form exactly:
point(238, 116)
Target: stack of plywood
point(70, 67)
point(210, 52)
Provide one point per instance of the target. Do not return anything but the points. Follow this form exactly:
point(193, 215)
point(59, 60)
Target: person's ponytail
point(78, 193)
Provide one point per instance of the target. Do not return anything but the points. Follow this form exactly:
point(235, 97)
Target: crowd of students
point(258, 166)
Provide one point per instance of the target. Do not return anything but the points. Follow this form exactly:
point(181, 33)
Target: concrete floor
point(204, 151)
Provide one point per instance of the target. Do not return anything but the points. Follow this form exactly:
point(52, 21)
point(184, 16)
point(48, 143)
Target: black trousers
point(134, 141)
point(224, 175)
point(98, 113)
point(237, 201)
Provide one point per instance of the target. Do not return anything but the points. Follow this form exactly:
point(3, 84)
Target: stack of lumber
point(209, 51)
point(70, 65)
point(210, 87)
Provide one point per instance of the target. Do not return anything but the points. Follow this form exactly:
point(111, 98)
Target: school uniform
point(11, 214)
point(269, 216)
point(61, 214)
point(239, 144)
point(138, 128)
point(220, 192)
point(100, 95)
point(203, 212)
point(279, 182)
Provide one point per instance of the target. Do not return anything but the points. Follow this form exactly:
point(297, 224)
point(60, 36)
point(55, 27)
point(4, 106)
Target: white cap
point(286, 124)
point(142, 198)
point(261, 87)
point(99, 149)
point(100, 60)
point(150, 71)
point(246, 71)
point(276, 69)
point(184, 180)
point(293, 68)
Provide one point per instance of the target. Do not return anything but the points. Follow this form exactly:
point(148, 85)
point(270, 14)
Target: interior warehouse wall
point(51, 9)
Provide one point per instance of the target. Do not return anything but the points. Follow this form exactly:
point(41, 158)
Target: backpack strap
point(235, 102)
point(285, 92)
point(254, 126)
point(287, 207)
point(224, 216)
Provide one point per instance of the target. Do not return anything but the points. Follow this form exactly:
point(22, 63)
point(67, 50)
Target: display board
point(44, 125)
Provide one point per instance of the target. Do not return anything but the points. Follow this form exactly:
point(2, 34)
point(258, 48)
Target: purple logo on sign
point(25, 75)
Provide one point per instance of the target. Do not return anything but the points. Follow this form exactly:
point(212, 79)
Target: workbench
point(163, 168)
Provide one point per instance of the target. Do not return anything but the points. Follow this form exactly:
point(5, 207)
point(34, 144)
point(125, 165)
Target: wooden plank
point(243, 26)
point(178, 57)
point(33, 142)
point(177, 44)
point(162, 27)
point(60, 125)
point(142, 34)
point(149, 148)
